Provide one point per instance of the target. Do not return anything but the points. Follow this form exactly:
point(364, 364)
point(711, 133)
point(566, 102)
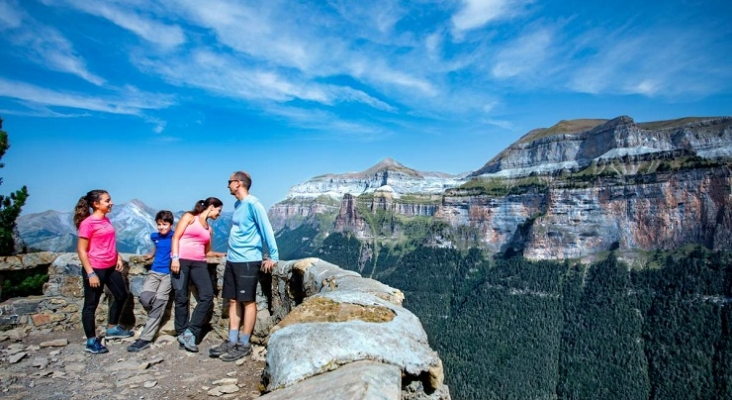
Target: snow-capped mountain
point(133, 222)
point(388, 172)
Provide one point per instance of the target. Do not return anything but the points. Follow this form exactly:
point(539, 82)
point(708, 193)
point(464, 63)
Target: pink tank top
point(192, 244)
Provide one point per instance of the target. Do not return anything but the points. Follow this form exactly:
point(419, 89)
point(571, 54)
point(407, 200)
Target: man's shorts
point(240, 280)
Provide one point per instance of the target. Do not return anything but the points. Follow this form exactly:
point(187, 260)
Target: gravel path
point(54, 365)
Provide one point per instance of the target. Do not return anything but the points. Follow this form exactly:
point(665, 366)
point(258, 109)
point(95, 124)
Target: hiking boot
point(223, 348)
point(188, 341)
point(118, 332)
point(95, 346)
point(236, 352)
point(139, 345)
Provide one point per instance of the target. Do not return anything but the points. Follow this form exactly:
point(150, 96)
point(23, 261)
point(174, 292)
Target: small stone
point(214, 392)
point(228, 388)
point(55, 343)
point(40, 362)
point(165, 339)
point(54, 353)
point(150, 384)
point(240, 361)
point(33, 347)
point(75, 367)
point(15, 348)
point(226, 381)
point(232, 373)
point(205, 387)
point(17, 357)
point(58, 374)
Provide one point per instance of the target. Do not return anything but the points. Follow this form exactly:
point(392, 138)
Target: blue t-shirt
point(161, 262)
point(250, 231)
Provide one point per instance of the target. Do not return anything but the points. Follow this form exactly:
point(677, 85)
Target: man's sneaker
point(95, 346)
point(188, 341)
point(220, 350)
point(236, 352)
point(139, 345)
point(118, 332)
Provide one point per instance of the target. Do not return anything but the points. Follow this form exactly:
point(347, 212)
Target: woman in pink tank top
point(190, 246)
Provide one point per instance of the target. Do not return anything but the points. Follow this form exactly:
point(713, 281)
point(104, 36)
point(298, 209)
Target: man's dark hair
point(165, 216)
point(245, 179)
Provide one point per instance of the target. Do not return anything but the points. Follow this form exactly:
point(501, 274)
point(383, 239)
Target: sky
point(162, 100)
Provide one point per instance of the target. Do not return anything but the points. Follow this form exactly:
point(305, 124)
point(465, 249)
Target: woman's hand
point(120, 264)
point(175, 266)
point(94, 281)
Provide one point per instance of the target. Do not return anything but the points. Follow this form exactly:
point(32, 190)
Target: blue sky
point(162, 100)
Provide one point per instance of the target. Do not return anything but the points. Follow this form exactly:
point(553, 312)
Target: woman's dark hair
point(202, 205)
point(165, 216)
point(81, 212)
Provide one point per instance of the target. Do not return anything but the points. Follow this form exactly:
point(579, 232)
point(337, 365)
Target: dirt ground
point(162, 371)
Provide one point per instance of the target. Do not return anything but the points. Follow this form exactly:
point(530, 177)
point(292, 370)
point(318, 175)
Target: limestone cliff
point(573, 190)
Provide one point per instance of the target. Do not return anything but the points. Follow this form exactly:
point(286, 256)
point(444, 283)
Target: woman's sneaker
point(95, 346)
point(236, 352)
point(118, 332)
point(188, 341)
point(220, 350)
point(139, 345)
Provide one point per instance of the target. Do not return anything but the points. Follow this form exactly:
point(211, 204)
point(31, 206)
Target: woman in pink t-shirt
point(101, 265)
point(189, 248)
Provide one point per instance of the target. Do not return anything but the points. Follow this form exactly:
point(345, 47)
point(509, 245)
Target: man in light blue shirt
point(250, 232)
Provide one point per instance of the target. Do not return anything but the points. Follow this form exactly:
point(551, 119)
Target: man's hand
point(268, 265)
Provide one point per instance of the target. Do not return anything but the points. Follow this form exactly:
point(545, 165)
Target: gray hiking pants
point(154, 297)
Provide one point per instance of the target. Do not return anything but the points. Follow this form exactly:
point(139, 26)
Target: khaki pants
point(154, 297)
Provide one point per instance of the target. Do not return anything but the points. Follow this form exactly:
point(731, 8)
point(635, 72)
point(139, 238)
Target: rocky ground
point(54, 365)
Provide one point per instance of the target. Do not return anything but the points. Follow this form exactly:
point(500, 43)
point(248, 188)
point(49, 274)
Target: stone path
point(54, 365)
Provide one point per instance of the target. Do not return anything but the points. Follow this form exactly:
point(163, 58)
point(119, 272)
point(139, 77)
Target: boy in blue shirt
point(157, 285)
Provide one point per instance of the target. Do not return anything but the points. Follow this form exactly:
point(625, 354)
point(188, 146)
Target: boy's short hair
point(165, 216)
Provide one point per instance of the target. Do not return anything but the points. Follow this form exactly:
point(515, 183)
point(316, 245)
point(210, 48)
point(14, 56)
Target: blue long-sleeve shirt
point(250, 229)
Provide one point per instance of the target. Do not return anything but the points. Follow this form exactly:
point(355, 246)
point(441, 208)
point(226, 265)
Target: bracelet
point(89, 275)
point(174, 257)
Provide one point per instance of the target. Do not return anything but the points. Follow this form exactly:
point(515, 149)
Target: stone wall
point(329, 332)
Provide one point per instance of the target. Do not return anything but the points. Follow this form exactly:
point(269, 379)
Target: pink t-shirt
point(192, 244)
point(102, 247)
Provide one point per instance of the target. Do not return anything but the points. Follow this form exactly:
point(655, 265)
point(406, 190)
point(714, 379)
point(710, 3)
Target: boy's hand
point(148, 256)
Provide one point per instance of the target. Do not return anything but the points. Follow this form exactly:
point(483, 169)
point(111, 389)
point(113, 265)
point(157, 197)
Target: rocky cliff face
point(571, 144)
point(573, 190)
point(323, 194)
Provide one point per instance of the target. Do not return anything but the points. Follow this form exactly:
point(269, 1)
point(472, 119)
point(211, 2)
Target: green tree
point(10, 206)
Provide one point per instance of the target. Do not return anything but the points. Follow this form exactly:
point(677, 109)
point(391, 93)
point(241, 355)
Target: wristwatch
point(174, 257)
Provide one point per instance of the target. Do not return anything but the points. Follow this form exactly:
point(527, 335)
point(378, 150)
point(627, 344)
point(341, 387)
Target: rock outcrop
point(320, 324)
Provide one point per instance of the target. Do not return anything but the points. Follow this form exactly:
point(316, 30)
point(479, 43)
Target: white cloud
point(667, 62)
point(476, 13)
point(129, 100)
point(523, 55)
point(147, 28)
point(44, 45)
point(10, 15)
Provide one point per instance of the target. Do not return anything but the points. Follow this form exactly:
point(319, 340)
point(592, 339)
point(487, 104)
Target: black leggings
point(116, 284)
point(196, 272)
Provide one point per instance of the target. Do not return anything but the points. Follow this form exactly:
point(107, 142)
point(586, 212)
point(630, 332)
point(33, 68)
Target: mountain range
point(133, 222)
point(575, 189)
